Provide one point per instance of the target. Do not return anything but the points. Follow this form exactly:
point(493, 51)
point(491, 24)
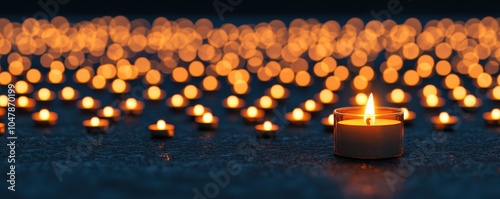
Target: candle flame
point(397, 95)
point(267, 126)
point(232, 101)
point(161, 125)
point(277, 91)
point(432, 100)
point(470, 100)
point(154, 92)
point(361, 99)
point(495, 114)
point(177, 100)
point(252, 111)
point(23, 101)
point(44, 94)
point(68, 93)
point(207, 117)
point(369, 116)
point(131, 103)
point(108, 111)
point(87, 102)
point(444, 117)
point(297, 114)
point(265, 102)
point(4, 101)
point(44, 114)
point(95, 121)
point(198, 109)
point(310, 105)
point(330, 119)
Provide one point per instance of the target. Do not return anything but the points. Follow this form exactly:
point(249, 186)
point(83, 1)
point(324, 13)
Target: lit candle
point(398, 96)
point(266, 130)
point(25, 103)
point(68, 94)
point(23, 87)
point(328, 122)
point(372, 133)
point(326, 96)
point(132, 106)
point(493, 117)
point(494, 93)
point(110, 113)
point(154, 93)
point(298, 117)
point(470, 102)
point(88, 104)
point(266, 103)
point(119, 86)
point(444, 121)
point(44, 118)
point(44, 95)
point(458, 93)
point(96, 125)
point(278, 92)
point(432, 101)
point(161, 129)
point(360, 99)
point(207, 121)
point(197, 110)
point(177, 102)
point(191, 92)
point(233, 103)
point(4, 101)
point(252, 114)
point(408, 115)
point(311, 106)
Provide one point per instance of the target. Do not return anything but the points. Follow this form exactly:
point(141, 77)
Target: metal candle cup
point(161, 130)
point(356, 136)
point(266, 130)
point(96, 126)
point(252, 114)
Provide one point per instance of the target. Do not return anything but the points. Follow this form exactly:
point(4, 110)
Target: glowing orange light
point(495, 114)
point(87, 102)
point(198, 109)
point(470, 100)
point(161, 125)
point(277, 91)
point(207, 117)
point(44, 114)
point(68, 93)
point(265, 102)
point(177, 100)
point(369, 116)
point(310, 105)
point(432, 100)
point(361, 99)
point(232, 101)
point(95, 121)
point(252, 111)
point(154, 92)
point(406, 113)
point(22, 101)
point(44, 94)
point(297, 114)
point(131, 103)
point(326, 96)
point(108, 111)
point(444, 117)
point(267, 126)
point(459, 93)
point(330, 119)
point(190, 92)
point(397, 95)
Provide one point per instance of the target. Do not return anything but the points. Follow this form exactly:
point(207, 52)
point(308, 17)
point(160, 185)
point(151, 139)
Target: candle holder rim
point(397, 111)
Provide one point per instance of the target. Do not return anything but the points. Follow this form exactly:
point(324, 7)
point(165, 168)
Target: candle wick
point(368, 121)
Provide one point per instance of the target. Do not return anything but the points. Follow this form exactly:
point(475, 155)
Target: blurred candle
point(232, 102)
point(96, 125)
point(68, 94)
point(88, 104)
point(110, 113)
point(207, 121)
point(326, 96)
point(433, 101)
point(311, 106)
point(444, 121)
point(266, 103)
point(161, 129)
point(493, 117)
point(398, 96)
point(132, 106)
point(2, 128)
point(44, 95)
point(25, 103)
point(44, 118)
point(196, 110)
point(458, 93)
point(154, 93)
point(119, 86)
point(191, 92)
point(4, 101)
point(328, 123)
point(252, 114)
point(298, 117)
point(470, 102)
point(23, 87)
point(266, 130)
point(278, 92)
point(408, 115)
point(360, 99)
point(177, 102)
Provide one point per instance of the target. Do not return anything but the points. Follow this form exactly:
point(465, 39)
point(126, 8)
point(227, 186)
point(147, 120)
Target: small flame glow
point(369, 116)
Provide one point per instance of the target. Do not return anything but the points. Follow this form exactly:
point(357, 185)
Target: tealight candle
point(44, 95)
point(4, 101)
point(360, 99)
point(298, 117)
point(266, 130)
point(326, 96)
point(119, 86)
point(311, 106)
point(96, 125)
point(154, 93)
point(110, 113)
point(458, 93)
point(132, 106)
point(368, 133)
point(25, 103)
point(494, 93)
point(197, 110)
point(177, 102)
point(68, 94)
point(23, 87)
point(432, 101)
point(44, 118)
point(233, 103)
point(252, 114)
point(266, 103)
point(493, 117)
point(408, 115)
point(328, 122)
point(88, 104)
point(444, 121)
point(207, 121)
point(191, 92)
point(470, 102)
point(278, 92)
point(398, 96)
point(161, 129)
